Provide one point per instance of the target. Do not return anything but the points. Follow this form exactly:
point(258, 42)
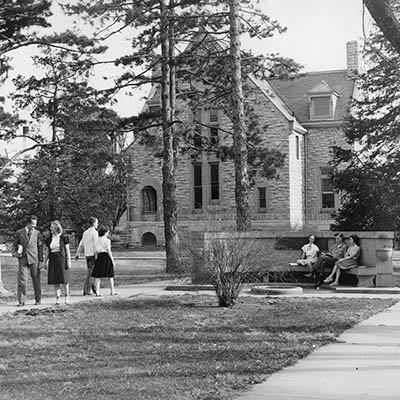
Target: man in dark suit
point(28, 248)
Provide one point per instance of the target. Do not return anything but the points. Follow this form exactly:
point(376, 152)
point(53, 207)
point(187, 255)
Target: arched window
point(148, 239)
point(149, 196)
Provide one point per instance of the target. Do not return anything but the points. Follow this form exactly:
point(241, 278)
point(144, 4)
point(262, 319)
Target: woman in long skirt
point(104, 264)
point(59, 258)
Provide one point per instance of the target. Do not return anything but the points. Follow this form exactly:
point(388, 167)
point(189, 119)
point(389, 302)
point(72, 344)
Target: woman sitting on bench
point(336, 252)
point(350, 260)
point(310, 253)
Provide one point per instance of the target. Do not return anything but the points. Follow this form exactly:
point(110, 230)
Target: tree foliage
point(16, 17)
point(367, 171)
point(75, 172)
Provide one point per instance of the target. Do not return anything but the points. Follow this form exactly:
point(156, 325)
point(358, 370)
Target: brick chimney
point(352, 58)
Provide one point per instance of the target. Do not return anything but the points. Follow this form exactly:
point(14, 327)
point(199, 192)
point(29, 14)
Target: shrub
point(227, 261)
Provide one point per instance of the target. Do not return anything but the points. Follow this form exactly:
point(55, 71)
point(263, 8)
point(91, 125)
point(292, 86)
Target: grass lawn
point(175, 348)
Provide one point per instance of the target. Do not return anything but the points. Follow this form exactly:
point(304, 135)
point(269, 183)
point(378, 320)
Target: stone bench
point(365, 275)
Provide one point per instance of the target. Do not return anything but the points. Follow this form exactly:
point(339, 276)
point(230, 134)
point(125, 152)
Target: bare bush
point(228, 261)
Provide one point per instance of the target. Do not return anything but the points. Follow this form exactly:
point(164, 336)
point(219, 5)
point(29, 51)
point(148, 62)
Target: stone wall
point(318, 153)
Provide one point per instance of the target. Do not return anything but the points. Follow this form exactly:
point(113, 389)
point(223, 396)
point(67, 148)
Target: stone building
point(304, 118)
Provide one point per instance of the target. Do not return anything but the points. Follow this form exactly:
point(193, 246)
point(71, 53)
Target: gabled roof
point(295, 92)
point(322, 87)
point(275, 99)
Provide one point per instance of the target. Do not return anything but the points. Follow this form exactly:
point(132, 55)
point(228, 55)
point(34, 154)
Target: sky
point(317, 30)
point(316, 36)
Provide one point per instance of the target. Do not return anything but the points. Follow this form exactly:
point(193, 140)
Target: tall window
point(197, 141)
point(149, 197)
point(131, 213)
point(214, 135)
point(297, 148)
point(262, 198)
point(327, 192)
point(197, 186)
point(214, 180)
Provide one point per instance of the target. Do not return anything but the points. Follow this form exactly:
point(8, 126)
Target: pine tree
point(367, 172)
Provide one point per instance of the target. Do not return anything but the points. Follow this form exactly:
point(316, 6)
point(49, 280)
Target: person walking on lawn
point(87, 242)
point(59, 257)
point(104, 264)
point(28, 248)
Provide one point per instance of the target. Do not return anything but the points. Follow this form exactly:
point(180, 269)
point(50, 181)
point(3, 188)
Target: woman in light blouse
point(309, 253)
point(349, 260)
point(59, 258)
point(104, 264)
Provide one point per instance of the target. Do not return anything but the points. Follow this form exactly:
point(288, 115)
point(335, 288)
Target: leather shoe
point(21, 304)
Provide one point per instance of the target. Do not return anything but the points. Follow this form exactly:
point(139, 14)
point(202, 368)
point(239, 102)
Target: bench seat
point(365, 275)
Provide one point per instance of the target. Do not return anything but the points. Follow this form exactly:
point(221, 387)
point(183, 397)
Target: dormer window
point(321, 107)
point(322, 100)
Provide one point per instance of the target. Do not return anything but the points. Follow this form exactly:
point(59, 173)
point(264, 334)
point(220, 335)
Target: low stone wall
point(376, 247)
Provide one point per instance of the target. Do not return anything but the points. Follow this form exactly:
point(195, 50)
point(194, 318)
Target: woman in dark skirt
point(59, 258)
point(104, 264)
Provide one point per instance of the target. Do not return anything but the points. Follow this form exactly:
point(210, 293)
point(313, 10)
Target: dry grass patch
point(184, 347)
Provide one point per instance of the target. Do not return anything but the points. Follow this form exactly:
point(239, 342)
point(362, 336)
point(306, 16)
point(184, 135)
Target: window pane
point(197, 140)
point(262, 197)
point(198, 188)
point(327, 185)
point(213, 115)
point(214, 172)
point(326, 170)
point(197, 174)
point(131, 213)
point(328, 200)
point(214, 135)
point(149, 199)
point(198, 197)
point(321, 106)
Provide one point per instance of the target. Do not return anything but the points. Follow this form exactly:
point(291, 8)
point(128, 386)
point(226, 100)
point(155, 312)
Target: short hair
point(92, 220)
point(56, 226)
point(337, 234)
point(31, 218)
point(103, 230)
point(356, 239)
point(311, 234)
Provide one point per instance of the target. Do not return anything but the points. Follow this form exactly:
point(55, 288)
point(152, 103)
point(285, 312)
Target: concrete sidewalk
point(145, 289)
point(364, 364)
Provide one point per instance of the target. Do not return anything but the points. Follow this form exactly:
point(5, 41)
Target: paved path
point(145, 289)
point(363, 365)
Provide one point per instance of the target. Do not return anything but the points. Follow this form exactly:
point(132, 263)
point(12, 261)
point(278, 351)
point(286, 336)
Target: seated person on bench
point(309, 253)
point(336, 252)
point(349, 260)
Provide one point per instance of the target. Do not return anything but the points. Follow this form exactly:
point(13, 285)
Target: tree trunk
point(386, 20)
point(169, 159)
point(239, 129)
